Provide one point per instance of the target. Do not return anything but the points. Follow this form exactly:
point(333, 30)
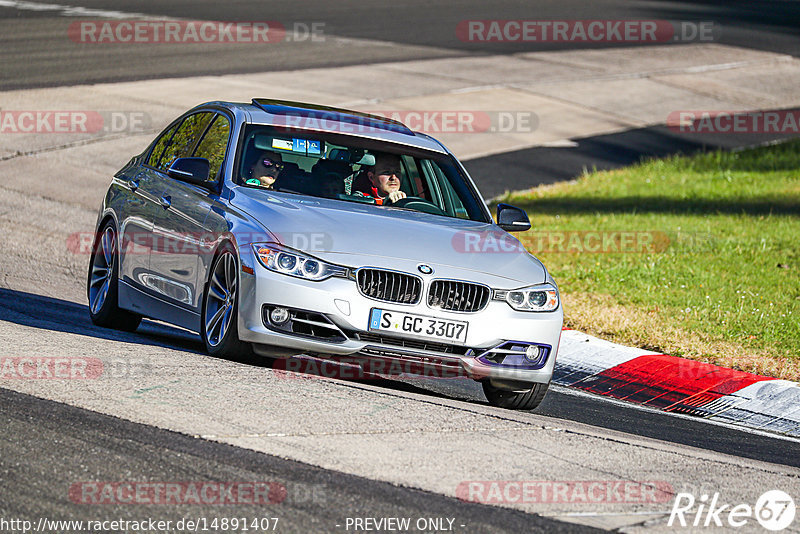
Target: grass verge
point(693, 256)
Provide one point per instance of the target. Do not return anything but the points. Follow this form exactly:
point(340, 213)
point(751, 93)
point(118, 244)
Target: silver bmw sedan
point(281, 228)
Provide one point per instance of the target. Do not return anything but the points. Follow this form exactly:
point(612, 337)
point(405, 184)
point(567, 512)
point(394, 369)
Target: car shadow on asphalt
point(49, 313)
point(53, 314)
point(753, 206)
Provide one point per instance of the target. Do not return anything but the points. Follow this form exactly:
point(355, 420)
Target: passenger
point(328, 177)
point(385, 179)
point(331, 186)
point(265, 170)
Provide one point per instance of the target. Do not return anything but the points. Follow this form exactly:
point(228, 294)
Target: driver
point(385, 179)
point(265, 170)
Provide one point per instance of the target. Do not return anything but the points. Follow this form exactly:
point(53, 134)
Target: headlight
point(541, 298)
point(287, 261)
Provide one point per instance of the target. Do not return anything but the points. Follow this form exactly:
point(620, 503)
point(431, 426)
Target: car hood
point(355, 235)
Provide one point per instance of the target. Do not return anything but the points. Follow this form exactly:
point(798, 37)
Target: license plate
point(418, 325)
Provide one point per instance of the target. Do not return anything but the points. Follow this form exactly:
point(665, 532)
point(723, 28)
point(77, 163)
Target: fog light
point(532, 353)
point(279, 316)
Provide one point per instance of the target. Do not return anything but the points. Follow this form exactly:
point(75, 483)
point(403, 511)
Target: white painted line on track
point(73, 11)
point(610, 514)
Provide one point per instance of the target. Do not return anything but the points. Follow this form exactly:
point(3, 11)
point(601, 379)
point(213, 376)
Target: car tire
point(219, 321)
point(515, 400)
point(102, 285)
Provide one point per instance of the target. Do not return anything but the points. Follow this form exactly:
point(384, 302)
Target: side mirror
point(512, 219)
point(192, 170)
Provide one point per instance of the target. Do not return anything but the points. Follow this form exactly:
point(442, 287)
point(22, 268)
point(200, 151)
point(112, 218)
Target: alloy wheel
point(220, 299)
point(102, 269)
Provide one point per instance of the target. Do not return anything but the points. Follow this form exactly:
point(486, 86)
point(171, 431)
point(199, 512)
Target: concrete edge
point(674, 384)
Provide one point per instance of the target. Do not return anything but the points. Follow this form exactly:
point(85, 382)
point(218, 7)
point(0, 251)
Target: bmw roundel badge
point(425, 269)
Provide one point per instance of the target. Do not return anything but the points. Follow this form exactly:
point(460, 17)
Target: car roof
point(313, 117)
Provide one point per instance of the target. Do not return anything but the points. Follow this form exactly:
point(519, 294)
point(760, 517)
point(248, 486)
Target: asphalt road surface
point(193, 417)
point(560, 403)
point(530, 167)
point(37, 51)
point(46, 446)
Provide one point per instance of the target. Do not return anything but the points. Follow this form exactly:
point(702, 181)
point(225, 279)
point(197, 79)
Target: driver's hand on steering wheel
point(394, 196)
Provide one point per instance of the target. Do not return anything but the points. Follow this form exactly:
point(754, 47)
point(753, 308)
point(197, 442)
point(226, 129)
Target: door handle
point(133, 183)
point(165, 201)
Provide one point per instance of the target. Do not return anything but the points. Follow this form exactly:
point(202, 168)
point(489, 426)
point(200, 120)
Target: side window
point(184, 140)
point(455, 193)
point(213, 145)
point(453, 203)
point(442, 191)
point(430, 181)
point(414, 179)
point(162, 142)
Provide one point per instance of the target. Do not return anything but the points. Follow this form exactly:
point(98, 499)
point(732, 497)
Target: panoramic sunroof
point(325, 113)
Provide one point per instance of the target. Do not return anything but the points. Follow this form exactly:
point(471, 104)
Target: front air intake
point(389, 286)
point(458, 296)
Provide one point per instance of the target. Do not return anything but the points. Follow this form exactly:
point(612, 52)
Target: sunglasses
point(388, 171)
point(266, 162)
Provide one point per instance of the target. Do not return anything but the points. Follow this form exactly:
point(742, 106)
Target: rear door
point(136, 220)
point(178, 262)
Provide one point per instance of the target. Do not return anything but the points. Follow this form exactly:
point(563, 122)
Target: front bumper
point(340, 302)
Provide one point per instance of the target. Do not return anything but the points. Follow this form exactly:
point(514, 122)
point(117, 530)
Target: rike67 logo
point(774, 510)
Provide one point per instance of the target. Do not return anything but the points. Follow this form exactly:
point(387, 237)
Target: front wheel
point(515, 400)
point(220, 325)
point(102, 284)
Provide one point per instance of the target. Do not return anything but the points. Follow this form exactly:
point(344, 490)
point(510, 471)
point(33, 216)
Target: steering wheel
point(416, 203)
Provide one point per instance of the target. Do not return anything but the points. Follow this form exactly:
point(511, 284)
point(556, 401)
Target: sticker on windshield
point(314, 147)
point(305, 147)
point(299, 145)
point(282, 144)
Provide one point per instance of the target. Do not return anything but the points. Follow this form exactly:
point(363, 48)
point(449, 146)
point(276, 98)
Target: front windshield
point(352, 169)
